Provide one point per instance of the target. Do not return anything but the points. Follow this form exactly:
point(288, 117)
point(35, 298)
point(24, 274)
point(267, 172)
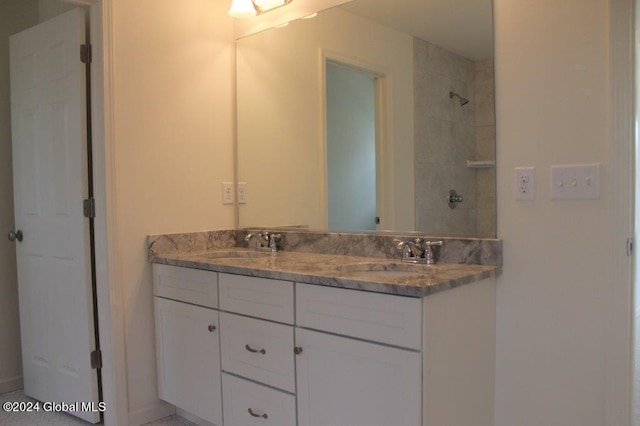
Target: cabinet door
point(188, 356)
point(347, 382)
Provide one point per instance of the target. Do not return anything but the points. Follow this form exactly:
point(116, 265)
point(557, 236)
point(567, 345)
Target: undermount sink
point(386, 268)
point(235, 254)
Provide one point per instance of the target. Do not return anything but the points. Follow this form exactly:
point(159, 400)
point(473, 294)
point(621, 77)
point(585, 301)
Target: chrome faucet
point(428, 251)
point(264, 241)
point(274, 242)
point(411, 250)
point(417, 250)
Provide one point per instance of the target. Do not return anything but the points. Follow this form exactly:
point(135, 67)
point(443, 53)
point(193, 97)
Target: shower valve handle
point(454, 199)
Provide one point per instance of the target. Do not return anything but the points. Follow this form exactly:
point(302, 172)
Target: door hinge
point(89, 207)
point(85, 53)
point(96, 359)
point(629, 246)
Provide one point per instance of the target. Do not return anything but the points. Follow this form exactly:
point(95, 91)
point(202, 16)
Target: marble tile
point(486, 180)
point(484, 70)
point(445, 62)
point(433, 183)
point(485, 109)
point(487, 215)
point(485, 142)
point(464, 145)
point(445, 137)
point(434, 139)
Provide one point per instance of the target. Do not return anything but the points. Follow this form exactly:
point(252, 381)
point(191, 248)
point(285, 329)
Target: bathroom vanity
point(296, 338)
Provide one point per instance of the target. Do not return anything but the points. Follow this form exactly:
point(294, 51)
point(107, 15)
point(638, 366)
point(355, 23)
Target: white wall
point(174, 145)
point(552, 100)
point(15, 16)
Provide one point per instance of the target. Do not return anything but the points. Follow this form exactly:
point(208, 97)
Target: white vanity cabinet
point(187, 341)
point(281, 353)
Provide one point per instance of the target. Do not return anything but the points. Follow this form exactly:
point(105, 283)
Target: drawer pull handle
point(264, 416)
point(297, 350)
point(211, 328)
point(250, 349)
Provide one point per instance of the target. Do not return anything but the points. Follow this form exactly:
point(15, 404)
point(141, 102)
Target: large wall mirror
point(367, 116)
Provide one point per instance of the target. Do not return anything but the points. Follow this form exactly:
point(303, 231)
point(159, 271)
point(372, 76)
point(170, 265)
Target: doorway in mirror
point(350, 148)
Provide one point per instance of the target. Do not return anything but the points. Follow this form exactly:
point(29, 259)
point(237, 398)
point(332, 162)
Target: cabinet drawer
point(257, 297)
point(247, 403)
point(385, 318)
point(186, 285)
point(258, 350)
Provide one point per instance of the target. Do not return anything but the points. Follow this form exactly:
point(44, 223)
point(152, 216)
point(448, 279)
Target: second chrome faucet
point(264, 241)
point(417, 250)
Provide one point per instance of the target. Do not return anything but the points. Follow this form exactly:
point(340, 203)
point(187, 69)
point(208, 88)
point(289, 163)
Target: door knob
point(17, 235)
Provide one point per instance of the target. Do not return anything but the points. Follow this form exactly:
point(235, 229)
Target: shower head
point(463, 101)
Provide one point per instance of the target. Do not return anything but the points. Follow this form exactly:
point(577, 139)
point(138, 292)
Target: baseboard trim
point(151, 413)
point(11, 384)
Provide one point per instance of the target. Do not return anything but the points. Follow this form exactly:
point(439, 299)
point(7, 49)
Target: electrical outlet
point(227, 193)
point(242, 192)
point(525, 183)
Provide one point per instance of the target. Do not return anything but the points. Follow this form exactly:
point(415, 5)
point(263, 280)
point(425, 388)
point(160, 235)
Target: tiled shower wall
point(485, 148)
point(446, 137)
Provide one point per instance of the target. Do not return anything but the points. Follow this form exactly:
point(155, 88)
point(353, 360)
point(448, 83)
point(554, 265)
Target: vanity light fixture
point(242, 9)
point(251, 8)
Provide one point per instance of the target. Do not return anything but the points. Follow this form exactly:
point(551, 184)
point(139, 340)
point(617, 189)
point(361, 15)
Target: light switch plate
point(575, 182)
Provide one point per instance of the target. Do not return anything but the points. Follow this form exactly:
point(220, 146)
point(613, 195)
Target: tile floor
point(60, 419)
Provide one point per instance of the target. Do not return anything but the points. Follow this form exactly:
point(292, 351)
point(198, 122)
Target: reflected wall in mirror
point(431, 65)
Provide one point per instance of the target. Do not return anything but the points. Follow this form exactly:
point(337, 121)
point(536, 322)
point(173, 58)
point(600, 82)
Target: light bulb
point(242, 9)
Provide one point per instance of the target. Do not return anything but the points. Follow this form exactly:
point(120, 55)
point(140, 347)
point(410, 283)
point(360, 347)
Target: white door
point(351, 148)
point(50, 182)
point(348, 382)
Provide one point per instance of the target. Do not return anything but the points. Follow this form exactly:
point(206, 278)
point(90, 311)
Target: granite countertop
point(352, 272)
